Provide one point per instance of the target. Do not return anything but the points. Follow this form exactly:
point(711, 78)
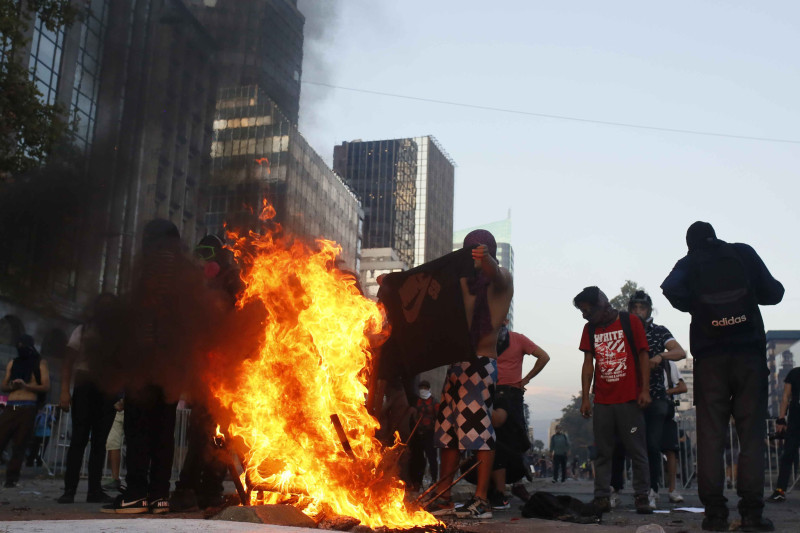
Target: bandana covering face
point(479, 286)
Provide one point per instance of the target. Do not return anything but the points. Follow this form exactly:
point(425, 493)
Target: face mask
point(424, 394)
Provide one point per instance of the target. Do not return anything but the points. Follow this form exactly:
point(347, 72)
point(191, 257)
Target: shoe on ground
point(675, 497)
point(729, 484)
point(499, 501)
point(114, 484)
point(756, 524)
point(123, 505)
point(67, 497)
point(441, 507)
point(204, 501)
point(555, 481)
point(99, 497)
point(521, 492)
point(601, 505)
point(715, 523)
point(158, 506)
point(183, 500)
point(614, 499)
point(779, 496)
point(652, 499)
point(475, 508)
point(642, 504)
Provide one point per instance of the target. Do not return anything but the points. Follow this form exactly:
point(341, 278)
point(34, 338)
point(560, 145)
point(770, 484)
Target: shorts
point(114, 440)
point(669, 439)
point(464, 420)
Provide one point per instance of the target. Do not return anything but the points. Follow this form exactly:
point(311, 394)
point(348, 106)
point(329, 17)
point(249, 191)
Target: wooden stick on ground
point(459, 478)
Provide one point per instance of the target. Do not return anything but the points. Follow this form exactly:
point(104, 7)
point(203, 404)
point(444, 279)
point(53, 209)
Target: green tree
point(538, 445)
point(30, 128)
point(620, 301)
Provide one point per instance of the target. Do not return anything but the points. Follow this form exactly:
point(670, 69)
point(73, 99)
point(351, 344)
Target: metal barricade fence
point(54, 454)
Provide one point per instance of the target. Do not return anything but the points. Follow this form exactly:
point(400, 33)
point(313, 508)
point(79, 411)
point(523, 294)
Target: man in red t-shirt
point(622, 390)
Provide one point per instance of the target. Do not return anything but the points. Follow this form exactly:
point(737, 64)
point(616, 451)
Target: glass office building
point(258, 153)
point(383, 174)
point(434, 201)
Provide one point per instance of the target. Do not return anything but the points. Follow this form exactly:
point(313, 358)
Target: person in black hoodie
point(722, 285)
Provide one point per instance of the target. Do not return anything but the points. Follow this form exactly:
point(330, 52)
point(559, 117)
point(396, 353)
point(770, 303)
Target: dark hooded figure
point(722, 285)
point(26, 377)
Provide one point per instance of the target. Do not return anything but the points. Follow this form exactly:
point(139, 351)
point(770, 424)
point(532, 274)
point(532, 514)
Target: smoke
point(322, 22)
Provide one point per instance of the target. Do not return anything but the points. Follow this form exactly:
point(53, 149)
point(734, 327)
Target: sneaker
point(675, 497)
point(614, 499)
point(642, 504)
point(715, 523)
point(123, 505)
point(67, 497)
point(555, 481)
point(475, 508)
point(778, 496)
point(521, 492)
point(114, 484)
point(206, 501)
point(158, 506)
point(499, 501)
point(652, 499)
point(441, 507)
point(99, 497)
point(756, 524)
point(601, 505)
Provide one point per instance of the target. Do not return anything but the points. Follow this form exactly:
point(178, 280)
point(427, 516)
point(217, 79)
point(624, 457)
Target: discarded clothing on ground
point(564, 508)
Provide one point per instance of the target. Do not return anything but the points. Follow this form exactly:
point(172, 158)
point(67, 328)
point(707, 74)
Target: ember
point(308, 382)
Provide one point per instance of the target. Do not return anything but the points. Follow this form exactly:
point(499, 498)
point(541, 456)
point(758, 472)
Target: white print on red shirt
point(612, 358)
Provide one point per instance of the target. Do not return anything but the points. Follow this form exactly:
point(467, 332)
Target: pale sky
point(591, 204)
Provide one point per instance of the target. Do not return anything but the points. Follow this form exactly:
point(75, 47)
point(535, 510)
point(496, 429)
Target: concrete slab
point(146, 525)
point(283, 515)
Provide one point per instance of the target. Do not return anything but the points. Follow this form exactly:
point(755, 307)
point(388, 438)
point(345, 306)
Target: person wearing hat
point(722, 285)
point(663, 348)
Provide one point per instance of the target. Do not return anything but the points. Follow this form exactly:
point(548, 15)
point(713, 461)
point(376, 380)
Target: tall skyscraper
point(434, 204)
point(258, 153)
point(261, 43)
point(384, 175)
point(501, 229)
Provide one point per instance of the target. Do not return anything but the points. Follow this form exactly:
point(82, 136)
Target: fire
point(310, 369)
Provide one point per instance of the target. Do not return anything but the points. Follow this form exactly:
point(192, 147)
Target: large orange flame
point(311, 365)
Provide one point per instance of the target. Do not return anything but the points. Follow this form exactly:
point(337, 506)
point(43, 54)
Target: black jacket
point(767, 291)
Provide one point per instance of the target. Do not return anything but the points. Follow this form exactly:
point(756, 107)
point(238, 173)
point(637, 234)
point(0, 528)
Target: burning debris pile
point(307, 380)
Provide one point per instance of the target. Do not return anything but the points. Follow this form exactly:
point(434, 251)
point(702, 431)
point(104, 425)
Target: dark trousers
point(422, 452)
point(150, 434)
point(655, 417)
point(559, 463)
point(725, 385)
point(37, 448)
point(618, 467)
point(623, 421)
point(92, 416)
point(789, 457)
point(16, 426)
point(203, 471)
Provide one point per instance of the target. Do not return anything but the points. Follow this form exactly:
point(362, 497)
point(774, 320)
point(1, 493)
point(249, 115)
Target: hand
point(478, 253)
point(655, 361)
point(644, 399)
point(18, 384)
point(586, 408)
point(119, 405)
point(64, 401)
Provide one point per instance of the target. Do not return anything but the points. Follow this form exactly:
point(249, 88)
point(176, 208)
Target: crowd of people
point(629, 384)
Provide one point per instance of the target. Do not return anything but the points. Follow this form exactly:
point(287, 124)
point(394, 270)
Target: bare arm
point(541, 361)
point(501, 278)
point(679, 388)
point(6, 385)
point(785, 399)
point(587, 373)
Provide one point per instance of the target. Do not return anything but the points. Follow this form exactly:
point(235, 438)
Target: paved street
point(24, 509)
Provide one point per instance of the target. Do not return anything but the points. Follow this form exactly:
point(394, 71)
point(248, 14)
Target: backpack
point(722, 299)
point(565, 508)
point(627, 330)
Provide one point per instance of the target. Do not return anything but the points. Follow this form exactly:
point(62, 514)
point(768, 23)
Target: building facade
point(383, 174)
point(433, 214)
point(261, 43)
point(258, 153)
